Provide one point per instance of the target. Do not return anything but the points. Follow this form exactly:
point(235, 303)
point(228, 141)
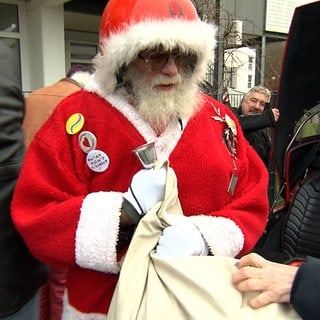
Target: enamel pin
point(87, 141)
point(75, 123)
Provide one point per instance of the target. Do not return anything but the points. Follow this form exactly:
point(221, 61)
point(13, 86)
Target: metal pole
point(263, 59)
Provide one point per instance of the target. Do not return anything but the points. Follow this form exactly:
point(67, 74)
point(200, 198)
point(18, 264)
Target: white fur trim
point(70, 313)
point(82, 77)
point(222, 235)
point(97, 232)
point(122, 48)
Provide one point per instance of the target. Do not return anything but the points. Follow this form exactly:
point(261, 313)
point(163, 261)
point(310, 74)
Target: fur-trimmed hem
point(222, 235)
point(70, 313)
point(97, 232)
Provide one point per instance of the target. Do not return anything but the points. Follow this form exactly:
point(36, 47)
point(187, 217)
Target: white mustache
point(163, 80)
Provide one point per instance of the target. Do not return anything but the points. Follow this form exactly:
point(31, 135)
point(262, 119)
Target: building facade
point(48, 36)
point(252, 36)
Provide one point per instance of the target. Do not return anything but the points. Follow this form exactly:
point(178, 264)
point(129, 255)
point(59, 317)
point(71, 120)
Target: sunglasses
point(157, 60)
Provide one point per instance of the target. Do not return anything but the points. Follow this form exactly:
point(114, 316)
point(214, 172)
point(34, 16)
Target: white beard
point(159, 107)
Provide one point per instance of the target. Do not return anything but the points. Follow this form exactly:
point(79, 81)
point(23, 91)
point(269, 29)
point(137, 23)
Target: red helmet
point(120, 13)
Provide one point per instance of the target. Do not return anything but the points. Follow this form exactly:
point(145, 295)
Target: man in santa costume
point(82, 190)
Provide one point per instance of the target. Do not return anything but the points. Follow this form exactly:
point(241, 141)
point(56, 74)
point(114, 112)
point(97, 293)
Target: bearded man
point(82, 190)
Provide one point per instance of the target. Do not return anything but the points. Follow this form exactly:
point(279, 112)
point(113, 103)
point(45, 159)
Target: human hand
point(181, 239)
point(273, 280)
point(146, 189)
point(276, 114)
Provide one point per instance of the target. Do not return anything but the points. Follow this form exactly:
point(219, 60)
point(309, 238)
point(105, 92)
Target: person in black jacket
point(296, 283)
point(255, 117)
point(21, 275)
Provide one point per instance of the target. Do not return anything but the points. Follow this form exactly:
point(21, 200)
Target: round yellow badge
point(75, 123)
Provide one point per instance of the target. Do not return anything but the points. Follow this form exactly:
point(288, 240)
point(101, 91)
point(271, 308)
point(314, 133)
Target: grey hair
point(259, 89)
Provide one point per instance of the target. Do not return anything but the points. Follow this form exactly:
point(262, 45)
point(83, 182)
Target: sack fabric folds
point(196, 287)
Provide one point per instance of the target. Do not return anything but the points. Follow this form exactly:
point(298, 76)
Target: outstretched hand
point(273, 280)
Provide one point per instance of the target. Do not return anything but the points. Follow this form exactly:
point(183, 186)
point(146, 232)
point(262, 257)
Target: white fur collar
point(165, 143)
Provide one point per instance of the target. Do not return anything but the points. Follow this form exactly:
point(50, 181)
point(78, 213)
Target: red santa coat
point(69, 215)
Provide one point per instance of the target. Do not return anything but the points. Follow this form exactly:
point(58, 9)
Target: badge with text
point(97, 161)
point(87, 141)
point(75, 123)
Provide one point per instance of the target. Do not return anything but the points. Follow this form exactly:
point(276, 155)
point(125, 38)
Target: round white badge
point(97, 161)
point(87, 141)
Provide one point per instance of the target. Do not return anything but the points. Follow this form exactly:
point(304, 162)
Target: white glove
point(181, 239)
point(146, 189)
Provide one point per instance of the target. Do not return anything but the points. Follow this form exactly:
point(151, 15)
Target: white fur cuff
point(222, 235)
point(97, 232)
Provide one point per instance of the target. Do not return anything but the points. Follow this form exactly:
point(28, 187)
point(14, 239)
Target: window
point(250, 63)
point(230, 77)
point(81, 47)
point(250, 81)
point(9, 28)
point(81, 53)
point(9, 21)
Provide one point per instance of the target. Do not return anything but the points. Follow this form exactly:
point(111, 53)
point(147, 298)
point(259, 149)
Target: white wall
point(45, 22)
point(238, 59)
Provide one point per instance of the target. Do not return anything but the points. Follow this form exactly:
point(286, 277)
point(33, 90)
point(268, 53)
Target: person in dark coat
point(296, 283)
point(21, 275)
point(256, 117)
